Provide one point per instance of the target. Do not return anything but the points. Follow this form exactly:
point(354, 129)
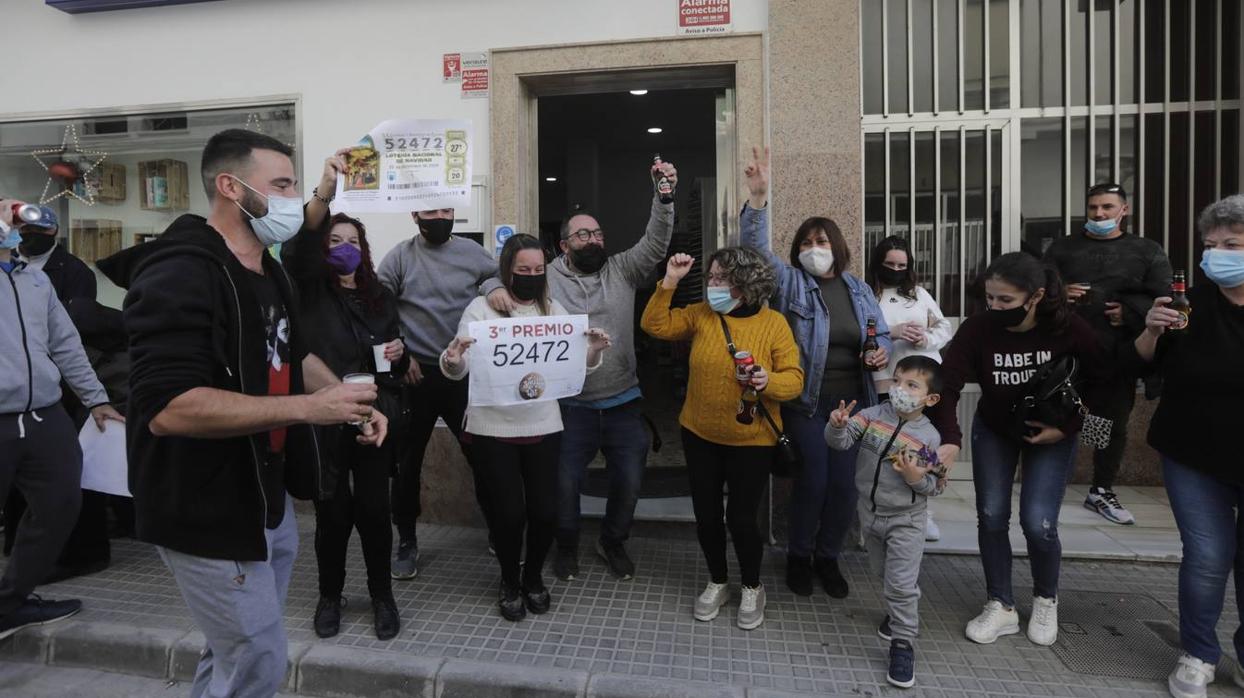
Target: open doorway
point(594, 153)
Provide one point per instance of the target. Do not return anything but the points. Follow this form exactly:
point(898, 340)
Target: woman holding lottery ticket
point(351, 322)
point(515, 448)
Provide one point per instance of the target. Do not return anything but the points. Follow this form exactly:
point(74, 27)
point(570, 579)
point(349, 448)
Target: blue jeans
point(1043, 484)
point(621, 434)
point(1207, 513)
point(822, 501)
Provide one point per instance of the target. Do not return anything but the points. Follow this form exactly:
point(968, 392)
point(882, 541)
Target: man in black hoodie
point(220, 421)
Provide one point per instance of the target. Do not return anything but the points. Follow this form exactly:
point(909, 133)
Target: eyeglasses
point(586, 235)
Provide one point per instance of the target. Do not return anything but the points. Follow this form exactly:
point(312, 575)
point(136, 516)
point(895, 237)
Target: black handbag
point(787, 461)
point(1049, 397)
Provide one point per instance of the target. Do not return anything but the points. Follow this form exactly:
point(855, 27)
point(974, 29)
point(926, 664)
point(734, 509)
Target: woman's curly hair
point(747, 271)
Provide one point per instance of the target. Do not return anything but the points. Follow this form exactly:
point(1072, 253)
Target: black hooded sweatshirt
point(193, 320)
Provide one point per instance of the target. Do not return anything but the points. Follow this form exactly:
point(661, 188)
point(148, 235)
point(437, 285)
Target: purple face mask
point(344, 258)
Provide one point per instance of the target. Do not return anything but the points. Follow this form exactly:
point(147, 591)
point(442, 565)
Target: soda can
point(743, 365)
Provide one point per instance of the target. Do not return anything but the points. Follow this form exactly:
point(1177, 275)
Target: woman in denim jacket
point(828, 310)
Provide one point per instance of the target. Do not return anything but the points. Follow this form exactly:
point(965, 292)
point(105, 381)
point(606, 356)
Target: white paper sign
point(531, 359)
point(408, 165)
point(104, 464)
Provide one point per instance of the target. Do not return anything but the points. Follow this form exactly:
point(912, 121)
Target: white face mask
point(282, 221)
point(817, 261)
point(904, 401)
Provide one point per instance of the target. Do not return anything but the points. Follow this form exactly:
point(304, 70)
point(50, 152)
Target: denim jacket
point(799, 298)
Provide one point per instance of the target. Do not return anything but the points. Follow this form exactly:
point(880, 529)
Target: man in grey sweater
point(434, 275)
point(606, 416)
point(39, 450)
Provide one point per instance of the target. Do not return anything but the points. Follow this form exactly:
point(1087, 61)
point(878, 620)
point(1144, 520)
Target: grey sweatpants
point(895, 548)
point(39, 454)
point(239, 607)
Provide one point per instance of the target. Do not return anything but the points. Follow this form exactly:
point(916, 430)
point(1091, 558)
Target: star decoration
point(92, 159)
point(254, 122)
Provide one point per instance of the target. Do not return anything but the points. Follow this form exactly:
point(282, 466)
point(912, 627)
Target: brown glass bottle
point(1179, 300)
point(664, 187)
point(870, 345)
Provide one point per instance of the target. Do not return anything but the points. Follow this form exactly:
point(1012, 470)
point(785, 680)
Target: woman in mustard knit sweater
point(720, 449)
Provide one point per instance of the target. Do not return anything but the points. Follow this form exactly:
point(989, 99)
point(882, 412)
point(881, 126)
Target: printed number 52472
point(522, 354)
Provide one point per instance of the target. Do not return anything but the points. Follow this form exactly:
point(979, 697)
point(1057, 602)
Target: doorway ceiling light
point(655, 129)
point(639, 93)
point(550, 179)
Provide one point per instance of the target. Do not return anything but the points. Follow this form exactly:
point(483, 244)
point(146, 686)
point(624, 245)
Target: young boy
point(896, 474)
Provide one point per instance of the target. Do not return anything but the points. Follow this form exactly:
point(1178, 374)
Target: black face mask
point(1011, 317)
point(527, 287)
point(589, 258)
point(35, 244)
point(436, 230)
point(891, 277)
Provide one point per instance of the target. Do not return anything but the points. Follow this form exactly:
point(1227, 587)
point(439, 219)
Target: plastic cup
point(362, 379)
point(383, 365)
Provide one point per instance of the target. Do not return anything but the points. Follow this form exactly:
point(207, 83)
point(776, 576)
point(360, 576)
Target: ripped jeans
point(1042, 486)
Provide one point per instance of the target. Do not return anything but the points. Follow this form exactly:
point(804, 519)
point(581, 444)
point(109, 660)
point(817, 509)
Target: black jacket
point(341, 330)
point(193, 320)
point(1128, 270)
point(70, 276)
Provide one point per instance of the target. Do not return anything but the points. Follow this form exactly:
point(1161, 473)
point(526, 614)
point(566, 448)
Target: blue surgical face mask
point(1224, 267)
point(1101, 229)
point(720, 300)
point(10, 239)
point(282, 221)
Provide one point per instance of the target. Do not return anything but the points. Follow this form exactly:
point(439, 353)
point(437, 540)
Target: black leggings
point(745, 470)
point(521, 486)
point(364, 506)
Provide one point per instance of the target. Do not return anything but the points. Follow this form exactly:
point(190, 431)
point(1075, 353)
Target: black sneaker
point(799, 575)
point(37, 611)
point(327, 620)
point(510, 599)
point(902, 664)
point(385, 618)
point(883, 630)
point(566, 564)
point(616, 558)
point(537, 598)
point(404, 563)
point(831, 578)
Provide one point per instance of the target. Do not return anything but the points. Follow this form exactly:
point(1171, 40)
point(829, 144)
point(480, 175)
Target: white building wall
point(353, 64)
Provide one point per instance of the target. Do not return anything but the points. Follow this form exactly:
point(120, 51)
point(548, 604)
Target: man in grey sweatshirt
point(434, 275)
point(39, 450)
point(606, 416)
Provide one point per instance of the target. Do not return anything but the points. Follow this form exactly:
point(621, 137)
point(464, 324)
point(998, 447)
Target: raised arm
point(639, 261)
point(659, 319)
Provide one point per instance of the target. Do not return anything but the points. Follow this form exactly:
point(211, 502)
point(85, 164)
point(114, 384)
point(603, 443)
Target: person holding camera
point(744, 362)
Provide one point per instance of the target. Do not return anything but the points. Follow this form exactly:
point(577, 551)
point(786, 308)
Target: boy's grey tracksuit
point(892, 513)
point(39, 452)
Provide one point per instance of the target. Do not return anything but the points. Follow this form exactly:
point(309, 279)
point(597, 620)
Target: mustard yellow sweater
point(712, 393)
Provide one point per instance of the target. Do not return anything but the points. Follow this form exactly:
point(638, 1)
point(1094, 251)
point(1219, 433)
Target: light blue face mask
point(720, 300)
point(1224, 267)
point(12, 238)
point(282, 221)
point(1101, 229)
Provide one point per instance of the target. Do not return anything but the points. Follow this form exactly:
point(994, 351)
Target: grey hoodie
point(608, 299)
point(39, 346)
point(881, 432)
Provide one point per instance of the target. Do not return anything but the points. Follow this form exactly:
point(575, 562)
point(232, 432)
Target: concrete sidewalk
point(637, 638)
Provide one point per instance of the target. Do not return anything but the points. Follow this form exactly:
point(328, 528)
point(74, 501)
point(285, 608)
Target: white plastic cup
point(360, 378)
point(383, 365)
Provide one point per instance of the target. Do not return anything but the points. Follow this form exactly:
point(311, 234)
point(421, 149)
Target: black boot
point(831, 578)
point(328, 615)
point(385, 618)
point(799, 574)
point(536, 597)
point(510, 599)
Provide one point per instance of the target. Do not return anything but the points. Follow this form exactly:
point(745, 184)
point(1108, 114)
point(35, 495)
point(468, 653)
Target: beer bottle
point(870, 344)
point(747, 406)
point(664, 187)
point(1179, 300)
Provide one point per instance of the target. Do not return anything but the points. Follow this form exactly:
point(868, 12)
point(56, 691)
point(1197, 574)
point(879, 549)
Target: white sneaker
point(752, 608)
point(931, 530)
point(708, 604)
point(1106, 503)
point(1190, 678)
point(994, 621)
point(1043, 625)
